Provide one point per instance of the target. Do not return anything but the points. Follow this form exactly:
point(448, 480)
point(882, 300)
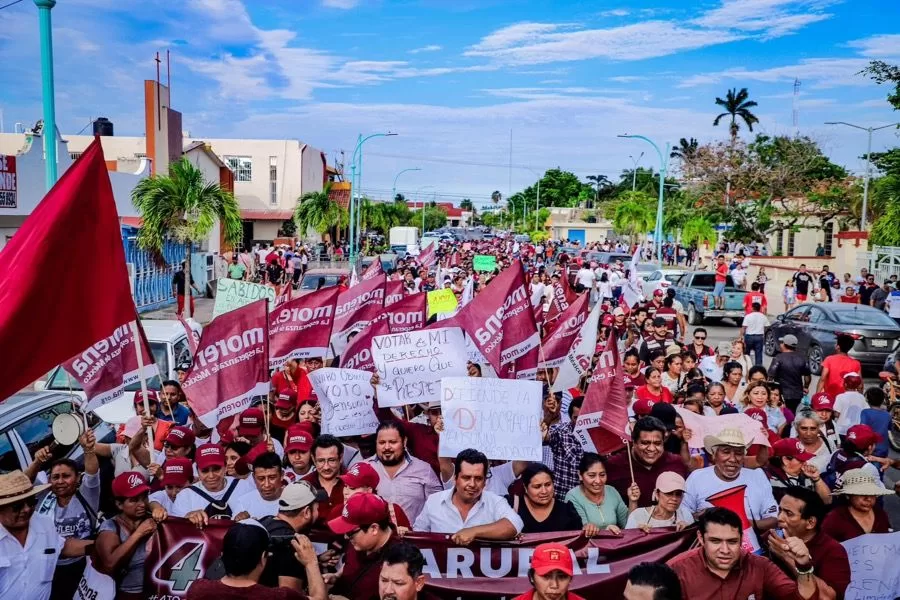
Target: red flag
point(231, 365)
point(193, 338)
point(454, 260)
point(407, 314)
point(500, 319)
point(373, 270)
point(564, 332)
point(393, 292)
point(49, 314)
point(301, 328)
point(358, 354)
point(356, 308)
point(563, 295)
point(428, 257)
point(603, 421)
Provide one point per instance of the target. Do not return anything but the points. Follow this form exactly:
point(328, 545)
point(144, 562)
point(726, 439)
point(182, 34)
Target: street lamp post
point(634, 170)
point(422, 205)
point(663, 162)
point(537, 202)
point(355, 182)
point(869, 130)
point(394, 187)
point(47, 90)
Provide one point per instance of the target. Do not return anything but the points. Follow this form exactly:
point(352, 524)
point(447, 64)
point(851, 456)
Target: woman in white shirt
point(666, 510)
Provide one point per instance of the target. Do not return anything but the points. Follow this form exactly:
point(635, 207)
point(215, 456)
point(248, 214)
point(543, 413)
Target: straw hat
point(860, 482)
point(15, 486)
point(726, 437)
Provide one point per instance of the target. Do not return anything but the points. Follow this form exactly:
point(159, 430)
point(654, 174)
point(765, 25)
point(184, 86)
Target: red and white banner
point(356, 308)
point(193, 338)
point(500, 319)
point(393, 292)
point(407, 314)
point(358, 354)
point(602, 425)
point(563, 295)
point(301, 328)
point(105, 369)
point(428, 257)
point(563, 333)
point(231, 366)
point(373, 270)
point(578, 360)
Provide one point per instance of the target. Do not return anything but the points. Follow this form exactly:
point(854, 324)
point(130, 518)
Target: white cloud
point(616, 12)
point(771, 18)
point(429, 48)
point(342, 4)
point(878, 46)
point(628, 78)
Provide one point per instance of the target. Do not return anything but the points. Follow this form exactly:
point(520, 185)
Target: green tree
point(466, 204)
point(632, 215)
point(884, 192)
point(684, 149)
point(184, 207)
point(737, 106)
point(435, 217)
point(698, 230)
point(603, 187)
point(318, 211)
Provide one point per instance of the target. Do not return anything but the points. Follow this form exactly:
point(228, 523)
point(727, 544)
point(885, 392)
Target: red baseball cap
point(852, 380)
point(360, 510)
point(361, 475)
point(181, 437)
point(821, 401)
point(757, 414)
point(658, 292)
point(251, 423)
point(286, 401)
point(642, 408)
point(177, 471)
point(151, 397)
point(210, 455)
point(862, 436)
point(298, 438)
point(129, 484)
point(552, 557)
point(791, 447)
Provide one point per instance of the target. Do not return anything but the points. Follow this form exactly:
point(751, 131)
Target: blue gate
point(151, 282)
point(577, 235)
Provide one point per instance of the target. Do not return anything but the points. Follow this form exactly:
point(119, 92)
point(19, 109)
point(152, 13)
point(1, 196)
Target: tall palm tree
point(686, 149)
point(184, 207)
point(466, 204)
point(634, 218)
point(737, 106)
point(319, 211)
point(599, 182)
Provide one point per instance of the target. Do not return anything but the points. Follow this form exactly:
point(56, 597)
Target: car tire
point(814, 359)
point(693, 316)
point(771, 344)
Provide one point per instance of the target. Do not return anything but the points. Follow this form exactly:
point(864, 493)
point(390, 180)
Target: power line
point(450, 161)
point(14, 2)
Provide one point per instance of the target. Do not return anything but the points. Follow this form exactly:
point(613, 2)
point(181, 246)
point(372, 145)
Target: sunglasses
point(700, 337)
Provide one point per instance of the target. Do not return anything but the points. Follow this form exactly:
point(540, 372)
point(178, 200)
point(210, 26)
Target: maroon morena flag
point(427, 257)
point(356, 308)
point(393, 292)
point(373, 270)
point(358, 353)
point(49, 314)
point(603, 422)
point(301, 328)
point(563, 295)
point(407, 314)
point(231, 364)
point(563, 333)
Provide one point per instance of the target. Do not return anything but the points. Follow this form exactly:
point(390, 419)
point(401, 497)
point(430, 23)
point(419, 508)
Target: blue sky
point(453, 77)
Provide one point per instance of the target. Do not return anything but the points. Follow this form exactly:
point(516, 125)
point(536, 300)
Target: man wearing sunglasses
point(38, 557)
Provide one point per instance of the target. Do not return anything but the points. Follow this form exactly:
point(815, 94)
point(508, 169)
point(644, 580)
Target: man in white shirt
point(215, 495)
point(585, 278)
point(711, 366)
point(728, 449)
point(537, 290)
point(849, 405)
point(753, 330)
point(269, 480)
point(468, 511)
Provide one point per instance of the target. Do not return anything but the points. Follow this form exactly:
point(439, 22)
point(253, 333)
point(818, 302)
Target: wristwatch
point(808, 570)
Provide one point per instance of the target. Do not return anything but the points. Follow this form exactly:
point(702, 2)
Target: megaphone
point(733, 500)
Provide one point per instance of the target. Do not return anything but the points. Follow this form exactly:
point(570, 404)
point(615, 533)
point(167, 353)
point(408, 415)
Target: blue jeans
point(719, 289)
point(755, 345)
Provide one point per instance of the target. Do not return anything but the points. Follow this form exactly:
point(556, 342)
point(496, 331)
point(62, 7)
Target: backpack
point(217, 509)
point(839, 464)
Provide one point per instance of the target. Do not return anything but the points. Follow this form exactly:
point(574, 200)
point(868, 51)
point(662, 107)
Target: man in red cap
point(252, 429)
point(550, 574)
point(298, 444)
point(215, 495)
point(366, 523)
point(823, 405)
point(362, 478)
point(177, 474)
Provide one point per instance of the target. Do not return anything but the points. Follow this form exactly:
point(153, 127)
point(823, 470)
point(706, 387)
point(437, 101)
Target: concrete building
point(569, 224)
point(456, 217)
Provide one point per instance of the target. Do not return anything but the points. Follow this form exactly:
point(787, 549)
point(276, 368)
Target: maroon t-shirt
point(205, 589)
point(840, 524)
point(619, 474)
point(359, 578)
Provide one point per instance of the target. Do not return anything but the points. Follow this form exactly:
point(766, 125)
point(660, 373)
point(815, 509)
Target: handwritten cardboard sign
point(484, 262)
point(500, 417)
point(346, 397)
point(412, 364)
point(441, 302)
point(874, 569)
point(232, 294)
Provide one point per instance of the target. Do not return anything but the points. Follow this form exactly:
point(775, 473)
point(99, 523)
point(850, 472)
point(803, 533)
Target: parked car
point(315, 279)
point(817, 326)
point(26, 424)
point(659, 279)
point(694, 290)
point(644, 270)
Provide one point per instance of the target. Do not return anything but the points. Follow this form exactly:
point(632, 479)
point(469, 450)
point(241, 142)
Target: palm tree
point(496, 196)
point(319, 211)
point(599, 181)
point(466, 204)
point(184, 207)
point(634, 218)
point(685, 150)
point(698, 231)
point(736, 105)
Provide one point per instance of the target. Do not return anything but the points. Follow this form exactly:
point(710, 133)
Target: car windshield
point(864, 318)
point(311, 282)
point(61, 380)
point(673, 277)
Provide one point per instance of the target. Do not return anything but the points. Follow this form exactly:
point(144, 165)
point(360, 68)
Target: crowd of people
point(817, 482)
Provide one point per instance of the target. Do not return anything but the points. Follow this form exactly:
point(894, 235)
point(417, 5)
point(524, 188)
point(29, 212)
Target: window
point(798, 314)
point(790, 248)
point(241, 166)
point(182, 352)
point(829, 236)
point(273, 180)
point(37, 431)
point(74, 155)
point(8, 459)
point(779, 242)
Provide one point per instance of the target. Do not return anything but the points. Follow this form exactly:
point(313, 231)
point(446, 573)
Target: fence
point(882, 261)
point(151, 281)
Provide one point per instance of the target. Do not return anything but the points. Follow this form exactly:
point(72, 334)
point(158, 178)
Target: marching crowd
point(814, 482)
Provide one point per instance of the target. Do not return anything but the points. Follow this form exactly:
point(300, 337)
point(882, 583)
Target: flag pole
point(630, 460)
point(139, 354)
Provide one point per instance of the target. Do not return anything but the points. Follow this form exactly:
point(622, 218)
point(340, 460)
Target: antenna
point(796, 107)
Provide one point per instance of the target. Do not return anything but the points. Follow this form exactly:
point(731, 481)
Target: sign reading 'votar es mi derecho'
point(500, 417)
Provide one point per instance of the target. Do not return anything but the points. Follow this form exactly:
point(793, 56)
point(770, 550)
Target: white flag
point(631, 290)
point(578, 360)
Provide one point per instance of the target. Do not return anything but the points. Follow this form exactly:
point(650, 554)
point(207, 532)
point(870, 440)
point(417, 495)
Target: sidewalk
point(203, 308)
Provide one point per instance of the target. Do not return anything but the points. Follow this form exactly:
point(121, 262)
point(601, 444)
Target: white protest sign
point(874, 568)
point(232, 294)
point(412, 364)
point(346, 397)
point(500, 417)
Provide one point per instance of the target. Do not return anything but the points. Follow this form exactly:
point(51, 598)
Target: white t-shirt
point(537, 293)
point(642, 515)
point(756, 323)
point(162, 498)
point(759, 503)
point(710, 369)
point(255, 506)
point(188, 500)
point(850, 405)
point(585, 277)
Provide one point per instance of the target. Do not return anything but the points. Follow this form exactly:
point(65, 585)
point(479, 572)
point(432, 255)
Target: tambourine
point(67, 428)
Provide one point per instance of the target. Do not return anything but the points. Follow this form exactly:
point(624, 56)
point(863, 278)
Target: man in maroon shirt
point(649, 459)
point(421, 440)
point(366, 523)
point(800, 515)
point(720, 569)
point(327, 454)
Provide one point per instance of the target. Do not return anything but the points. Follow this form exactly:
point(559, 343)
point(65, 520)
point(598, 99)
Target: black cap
point(664, 412)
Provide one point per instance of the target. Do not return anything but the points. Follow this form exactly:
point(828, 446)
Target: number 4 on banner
point(180, 567)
